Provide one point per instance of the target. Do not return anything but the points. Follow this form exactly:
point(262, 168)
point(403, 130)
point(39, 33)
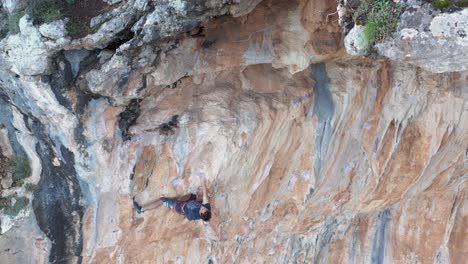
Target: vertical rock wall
point(310, 155)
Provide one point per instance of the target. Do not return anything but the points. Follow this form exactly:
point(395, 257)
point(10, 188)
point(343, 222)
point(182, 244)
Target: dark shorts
point(172, 204)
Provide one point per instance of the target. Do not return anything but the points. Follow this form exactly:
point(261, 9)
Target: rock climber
point(188, 206)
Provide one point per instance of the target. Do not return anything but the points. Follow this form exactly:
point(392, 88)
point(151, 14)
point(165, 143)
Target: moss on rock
point(13, 204)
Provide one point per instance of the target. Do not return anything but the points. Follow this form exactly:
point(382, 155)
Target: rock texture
point(309, 155)
point(432, 41)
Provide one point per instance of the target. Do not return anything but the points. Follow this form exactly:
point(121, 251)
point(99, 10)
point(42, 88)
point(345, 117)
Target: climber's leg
point(152, 205)
point(149, 206)
point(168, 202)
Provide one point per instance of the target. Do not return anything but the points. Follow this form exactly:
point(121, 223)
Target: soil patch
point(80, 14)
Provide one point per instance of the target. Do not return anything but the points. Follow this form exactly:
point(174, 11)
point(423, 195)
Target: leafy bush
point(12, 204)
point(3, 34)
point(45, 11)
point(30, 187)
point(20, 168)
point(462, 3)
point(442, 4)
point(13, 21)
point(75, 29)
point(439, 4)
point(5, 202)
point(360, 15)
point(380, 18)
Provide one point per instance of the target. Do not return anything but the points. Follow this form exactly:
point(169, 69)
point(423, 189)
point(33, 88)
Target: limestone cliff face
point(310, 155)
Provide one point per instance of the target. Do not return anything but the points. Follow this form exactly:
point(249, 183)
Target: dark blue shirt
point(192, 208)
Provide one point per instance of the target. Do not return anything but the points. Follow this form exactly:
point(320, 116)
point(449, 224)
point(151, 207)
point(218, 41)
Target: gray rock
point(241, 8)
point(13, 5)
point(178, 16)
point(53, 30)
point(6, 182)
point(5, 145)
point(27, 42)
point(110, 28)
point(108, 79)
point(104, 56)
point(74, 57)
point(141, 5)
point(355, 42)
point(433, 41)
point(111, 2)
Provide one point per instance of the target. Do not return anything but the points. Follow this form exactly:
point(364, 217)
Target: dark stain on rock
point(207, 43)
point(309, 194)
point(197, 32)
point(325, 239)
point(6, 121)
point(381, 237)
point(324, 109)
point(56, 201)
point(60, 81)
point(168, 128)
point(176, 83)
point(295, 248)
point(83, 99)
point(132, 175)
point(123, 81)
point(129, 117)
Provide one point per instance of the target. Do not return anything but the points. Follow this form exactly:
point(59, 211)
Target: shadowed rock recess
point(311, 154)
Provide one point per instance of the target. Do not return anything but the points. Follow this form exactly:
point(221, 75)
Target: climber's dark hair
point(206, 216)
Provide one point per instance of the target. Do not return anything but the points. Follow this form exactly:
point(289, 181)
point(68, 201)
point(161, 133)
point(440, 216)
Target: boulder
point(14, 5)
point(53, 30)
point(30, 42)
point(355, 42)
point(434, 41)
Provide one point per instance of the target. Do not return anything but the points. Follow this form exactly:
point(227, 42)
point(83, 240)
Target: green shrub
point(360, 15)
point(462, 3)
point(18, 182)
point(45, 11)
point(5, 202)
point(30, 187)
point(440, 4)
point(75, 30)
point(380, 18)
point(13, 204)
point(96, 27)
point(20, 168)
point(13, 21)
point(3, 34)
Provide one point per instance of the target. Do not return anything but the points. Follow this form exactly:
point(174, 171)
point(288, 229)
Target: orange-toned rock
point(386, 190)
point(309, 156)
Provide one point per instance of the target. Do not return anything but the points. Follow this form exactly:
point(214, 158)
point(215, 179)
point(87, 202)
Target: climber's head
point(205, 214)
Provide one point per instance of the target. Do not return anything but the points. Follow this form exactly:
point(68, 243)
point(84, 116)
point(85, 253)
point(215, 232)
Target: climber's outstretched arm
point(205, 193)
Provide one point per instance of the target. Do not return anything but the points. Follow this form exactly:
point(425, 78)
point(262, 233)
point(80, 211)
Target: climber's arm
point(186, 197)
point(205, 194)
